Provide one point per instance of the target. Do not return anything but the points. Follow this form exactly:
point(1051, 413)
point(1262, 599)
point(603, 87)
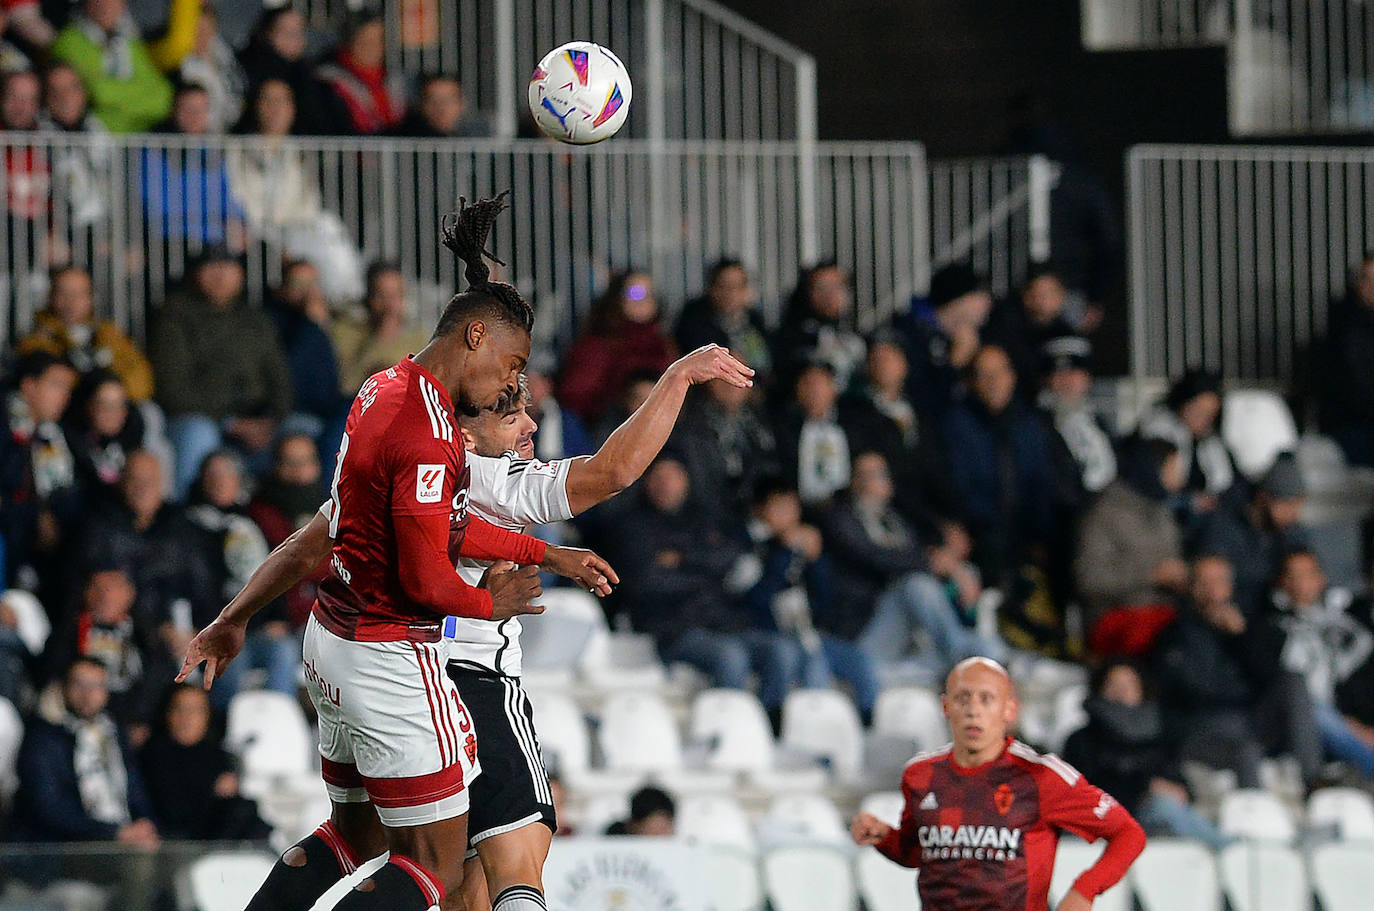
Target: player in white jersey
point(511, 817)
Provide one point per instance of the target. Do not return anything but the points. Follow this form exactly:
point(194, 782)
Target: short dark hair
point(650, 800)
point(87, 660)
point(1043, 269)
point(375, 270)
point(720, 266)
point(465, 232)
point(34, 365)
point(426, 80)
point(186, 87)
point(771, 486)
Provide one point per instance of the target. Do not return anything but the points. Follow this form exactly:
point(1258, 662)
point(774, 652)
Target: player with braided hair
point(397, 743)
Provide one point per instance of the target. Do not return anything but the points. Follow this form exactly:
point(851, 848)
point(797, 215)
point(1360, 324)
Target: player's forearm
point(1123, 847)
point(426, 576)
point(628, 451)
point(484, 541)
point(291, 562)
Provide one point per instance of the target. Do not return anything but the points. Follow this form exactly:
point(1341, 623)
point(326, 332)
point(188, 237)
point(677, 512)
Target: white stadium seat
point(886, 805)
point(732, 880)
point(913, 713)
point(825, 724)
point(1069, 715)
point(638, 733)
point(884, 885)
point(1257, 815)
point(623, 661)
point(714, 819)
point(562, 731)
point(1343, 876)
point(1070, 860)
point(268, 732)
point(806, 817)
point(734, 728)
point(1349, 812)
point(226, 880)
point(809, 879)
point(1257, 425)
point(600, 812)
point(557, 639)
point(1258, 876)
point(1175, 875)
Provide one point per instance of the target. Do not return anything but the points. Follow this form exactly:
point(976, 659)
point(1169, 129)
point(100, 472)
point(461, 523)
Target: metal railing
point(1236, 253)
point(1294, 66)
point(700, 70)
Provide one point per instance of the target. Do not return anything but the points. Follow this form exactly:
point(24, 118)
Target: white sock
point(520, 898)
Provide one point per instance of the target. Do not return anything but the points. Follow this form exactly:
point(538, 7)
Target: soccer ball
point(580, 93)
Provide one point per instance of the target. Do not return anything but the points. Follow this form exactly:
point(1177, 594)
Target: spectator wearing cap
point(815, 328)
point(128, 93)
point(67, 328)
point(1023, 324)
point(1254, 525)
point(1190, 418)
point(39, 498)
point(1129, 563)
point(1347, 384)
point(442, 112)
point(222, 377)
point(1002, 466)
point(814, 450)
point(726, 315)
point(942, 341)
point(1083, 438)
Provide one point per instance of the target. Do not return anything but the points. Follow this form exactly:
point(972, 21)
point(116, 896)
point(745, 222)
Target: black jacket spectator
point(1121, 749)
point(102, 429)
point(942, 340)
point(813, 329)
point(870, 549)
point(1347, 384)
point(276, 50)
point(727, 448)
point(725, 315)
point(814, 451)
point(301, 315)
point(1024, 323)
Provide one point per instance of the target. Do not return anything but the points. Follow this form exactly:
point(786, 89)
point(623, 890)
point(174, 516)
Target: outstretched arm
point(293, 560)
point(628, 451)
point(486, 542)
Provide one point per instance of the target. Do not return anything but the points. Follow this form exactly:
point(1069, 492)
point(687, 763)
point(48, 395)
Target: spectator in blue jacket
point(793, 586)
point(77, 777)
point(185, 189)
point(1002, 468)
point(302, 317)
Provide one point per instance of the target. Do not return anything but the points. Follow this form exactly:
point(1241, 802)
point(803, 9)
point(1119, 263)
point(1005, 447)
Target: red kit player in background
point(983, 815)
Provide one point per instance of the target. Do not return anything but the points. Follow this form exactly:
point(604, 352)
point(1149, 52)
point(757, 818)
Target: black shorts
point(513, 789)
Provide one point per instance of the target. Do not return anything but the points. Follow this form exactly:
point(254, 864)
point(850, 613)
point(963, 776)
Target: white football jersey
point(512, 493)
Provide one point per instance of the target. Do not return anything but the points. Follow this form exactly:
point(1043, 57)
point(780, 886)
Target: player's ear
point(944, 703)
point(475, 333)
point(1010, 710)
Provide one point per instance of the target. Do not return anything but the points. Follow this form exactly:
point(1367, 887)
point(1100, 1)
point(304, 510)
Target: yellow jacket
point(107, 347)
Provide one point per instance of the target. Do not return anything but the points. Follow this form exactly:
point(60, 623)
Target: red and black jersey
point(985, 837)
point(401, 456)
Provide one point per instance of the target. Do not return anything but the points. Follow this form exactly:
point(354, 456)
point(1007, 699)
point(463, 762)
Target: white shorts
point(393, 729)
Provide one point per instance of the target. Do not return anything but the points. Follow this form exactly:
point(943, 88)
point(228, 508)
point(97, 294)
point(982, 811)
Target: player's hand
point(216, 645)
point(867, 830)
point(590, 572)
point(712, 362)
point(1075, 901)
point(512, 589)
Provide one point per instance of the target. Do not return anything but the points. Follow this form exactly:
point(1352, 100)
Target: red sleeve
point(901, 844)
point(484, 541)
point(427, 576)
point(1070, 803)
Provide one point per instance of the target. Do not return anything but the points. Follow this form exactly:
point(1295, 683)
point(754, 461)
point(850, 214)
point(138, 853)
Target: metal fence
point(1109, 25)
point(137, 209)
point(700, 70)
point(1236, 253)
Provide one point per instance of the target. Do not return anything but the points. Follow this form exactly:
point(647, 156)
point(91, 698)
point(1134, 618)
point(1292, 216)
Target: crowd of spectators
point(844, 523)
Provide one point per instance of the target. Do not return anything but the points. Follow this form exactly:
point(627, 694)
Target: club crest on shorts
point(1002, 798)
point(429, 483)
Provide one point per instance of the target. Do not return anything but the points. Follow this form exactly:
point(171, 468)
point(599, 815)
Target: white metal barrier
point(136, 209)
point(1293, 66)
point(700, 70)
point(1236, 252)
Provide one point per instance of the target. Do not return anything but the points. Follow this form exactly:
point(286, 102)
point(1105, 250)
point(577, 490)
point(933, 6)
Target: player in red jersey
point(983, 814)
point(396, 741)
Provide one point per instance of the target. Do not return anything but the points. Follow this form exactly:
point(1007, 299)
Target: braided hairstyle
point(465, 231)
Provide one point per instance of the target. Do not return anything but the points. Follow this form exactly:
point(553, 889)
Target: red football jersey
point(401, 455)
point(985, 837)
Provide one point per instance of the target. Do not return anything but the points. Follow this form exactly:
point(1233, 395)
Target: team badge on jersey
point(1002, 798)
point(930, 803)
point(429, 483)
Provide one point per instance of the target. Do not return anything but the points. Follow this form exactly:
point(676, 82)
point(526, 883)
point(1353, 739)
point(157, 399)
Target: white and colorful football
point(580, 93)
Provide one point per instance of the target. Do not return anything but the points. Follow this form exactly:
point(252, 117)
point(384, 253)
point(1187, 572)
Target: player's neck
point(442, 363)
point(968, 758)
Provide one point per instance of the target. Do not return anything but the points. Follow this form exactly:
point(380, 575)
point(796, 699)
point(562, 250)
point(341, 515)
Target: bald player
point(983, 814)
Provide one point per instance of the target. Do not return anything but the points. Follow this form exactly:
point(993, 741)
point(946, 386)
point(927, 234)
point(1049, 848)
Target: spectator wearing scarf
point(128, 92)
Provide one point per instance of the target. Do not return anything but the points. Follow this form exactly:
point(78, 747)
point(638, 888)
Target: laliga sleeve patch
point(429, 483)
